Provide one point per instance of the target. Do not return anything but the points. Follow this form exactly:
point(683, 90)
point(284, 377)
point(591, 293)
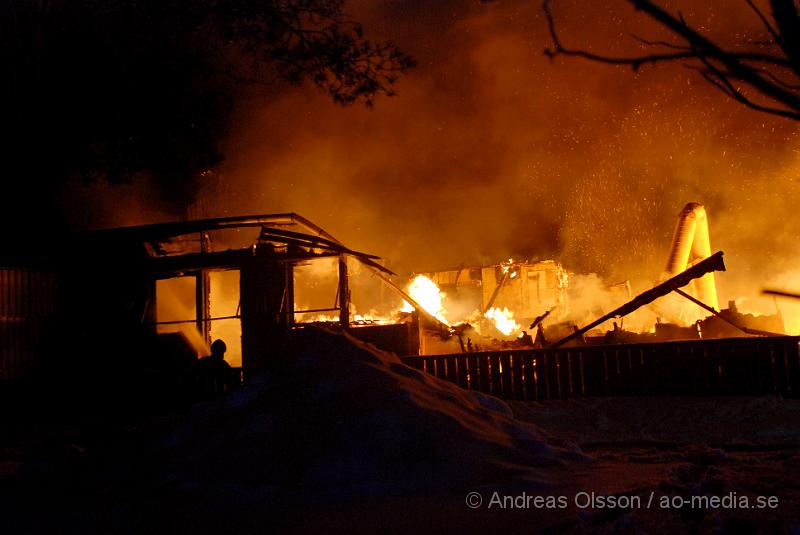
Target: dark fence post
point(545, 375)
point(496, 379)
point(452, 371)
point(517, 374)
point(474, 372)
point(531, 376)
point(463, 372)
point(485, 379)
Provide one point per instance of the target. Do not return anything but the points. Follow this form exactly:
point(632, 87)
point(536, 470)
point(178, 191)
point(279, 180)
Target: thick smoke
point(490, 150)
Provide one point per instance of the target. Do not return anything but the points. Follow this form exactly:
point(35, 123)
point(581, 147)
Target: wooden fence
point(734, 366)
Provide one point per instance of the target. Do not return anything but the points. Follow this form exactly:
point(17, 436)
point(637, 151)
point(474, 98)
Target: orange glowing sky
point(490, 150)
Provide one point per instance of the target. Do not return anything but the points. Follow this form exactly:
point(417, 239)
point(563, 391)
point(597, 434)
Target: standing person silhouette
point(213, 373)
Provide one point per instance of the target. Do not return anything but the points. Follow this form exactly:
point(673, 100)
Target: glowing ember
point(368, 318)
point(503, 320)
point(321, 318)
point(425, 292)
point(372, 318)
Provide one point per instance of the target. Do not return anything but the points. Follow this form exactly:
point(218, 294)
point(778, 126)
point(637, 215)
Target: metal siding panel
point(12, 293)
point(3, 349)
point(27, 302)
point(3, 292)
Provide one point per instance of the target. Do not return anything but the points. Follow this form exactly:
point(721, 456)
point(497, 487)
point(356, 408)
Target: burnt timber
point(710, 264)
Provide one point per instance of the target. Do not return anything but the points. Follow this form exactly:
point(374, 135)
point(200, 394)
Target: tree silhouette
point(107, 89)
point(761, 74)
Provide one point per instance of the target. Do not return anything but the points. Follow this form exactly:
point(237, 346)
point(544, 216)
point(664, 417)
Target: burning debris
point(260, 290)
point(428, 295)
point(503, 320)
point(488, 306)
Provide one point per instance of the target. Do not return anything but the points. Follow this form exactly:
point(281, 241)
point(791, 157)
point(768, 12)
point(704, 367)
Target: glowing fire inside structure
point(428, 295)
point(459, 310)
point(498, 301)
point(503, 320)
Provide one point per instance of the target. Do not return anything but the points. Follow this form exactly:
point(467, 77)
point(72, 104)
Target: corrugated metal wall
point(28, 299)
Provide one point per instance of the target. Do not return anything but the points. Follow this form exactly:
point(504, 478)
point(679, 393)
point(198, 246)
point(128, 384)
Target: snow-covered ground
point(348, 439)
point(740, 448)
point(737, 422)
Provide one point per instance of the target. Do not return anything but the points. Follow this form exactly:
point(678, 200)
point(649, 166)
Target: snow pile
point(348, 419)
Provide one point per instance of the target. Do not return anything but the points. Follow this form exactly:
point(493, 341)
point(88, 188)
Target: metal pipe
point(690, 244)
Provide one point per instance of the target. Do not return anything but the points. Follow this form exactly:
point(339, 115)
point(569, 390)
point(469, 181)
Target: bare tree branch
point(634, 61)
point(151, 87)
point(774, 77)
point(722, 80)
point(762, 75)
point(766, 23)
point(746, 56)
point(786, 18)
point(666, 44)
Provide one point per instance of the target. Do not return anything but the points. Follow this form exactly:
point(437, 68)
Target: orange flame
point(503, 320)
point(425, 292)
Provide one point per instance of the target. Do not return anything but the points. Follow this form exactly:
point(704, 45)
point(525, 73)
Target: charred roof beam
point(710, 264)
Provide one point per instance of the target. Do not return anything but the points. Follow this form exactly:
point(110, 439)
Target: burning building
point(258, 281)
point(501, 299)
point(527, 288)
point(191, 280)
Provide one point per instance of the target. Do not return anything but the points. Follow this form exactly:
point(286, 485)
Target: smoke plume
point(491, 151)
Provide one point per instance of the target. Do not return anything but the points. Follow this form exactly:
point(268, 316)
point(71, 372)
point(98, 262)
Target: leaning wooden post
point(202, 294)
point(344, 293)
